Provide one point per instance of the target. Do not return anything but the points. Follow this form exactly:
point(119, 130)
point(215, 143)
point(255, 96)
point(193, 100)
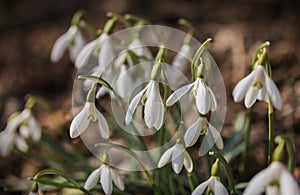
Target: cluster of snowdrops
point(156, 99)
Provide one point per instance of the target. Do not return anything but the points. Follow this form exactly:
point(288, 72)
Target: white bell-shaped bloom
point(213, 186)
point(100, 48)
point(179, 157)
point(107, 176)
point(275, 179)
point(82, 120)
point(28, 128)
point(72, 40)
point(211, 135)
point(154, 107)
point(205, 98)
point(257, 85)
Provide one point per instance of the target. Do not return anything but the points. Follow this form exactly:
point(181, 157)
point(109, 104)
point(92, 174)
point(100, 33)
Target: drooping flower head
point(257, 85)
point(204, 96)
point(179, 157)
point(71, 40)
point(154, 107)
point(213, 185)
point(89, 113)
point(275, 179)
point(211, 135)
point(107, 176)
point(28, 127)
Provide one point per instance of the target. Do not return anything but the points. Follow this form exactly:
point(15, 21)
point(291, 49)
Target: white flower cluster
point(100, 52)
point(20, 126)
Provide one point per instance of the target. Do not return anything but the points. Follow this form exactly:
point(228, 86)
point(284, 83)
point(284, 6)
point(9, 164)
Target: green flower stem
point(110, 24)
point(271, 131)
point(156, 70)
point(91, 96)
point(290, 150)
point(196, 58)
point(120, 18)
point(190, 179)
point(246, 141)
point(227, 169)
point(51, 171)
point(137, 158)
point(77, 17)
point(259, 50)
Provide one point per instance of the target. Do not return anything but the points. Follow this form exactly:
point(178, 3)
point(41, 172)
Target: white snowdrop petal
point(258, 183)
point(79, 43)
point(14, 122)
point(6, 142)
point(213, 98)
point(24, 131)
point(104, 129)
point(92, 179)
point(178, 93)
point(192, 134)
point(154, 108)
point(242, 87)
point(21, 143)
point(106, 54)
point(166, 157)
point(106, 180)
point(288, 185)
point(272, 190)
point(220, 188)
point(203, 101)
point(262, 95)
point(177, 158)
point(201, 188)
point(80, 123)
point(132, 106)
point(187, 161)
point(117, 179)
point(151, 108)
point(251, 96)
point(273, 92)
point(216, 136)
point(59, 47)
point(160, 114)
point(85, 54)
point(34, 129)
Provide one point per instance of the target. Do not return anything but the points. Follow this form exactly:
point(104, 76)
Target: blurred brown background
point(29, 28)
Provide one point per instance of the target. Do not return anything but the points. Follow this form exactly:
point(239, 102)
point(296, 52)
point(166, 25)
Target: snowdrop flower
point(100, 48)
point(257, 85)
point(154, 107)
point(275, 179)
point(72, 40)
point(107, 177)
point(213, 185)
point(28, 127)
point(203, 127)
point(179, 157)
point(8, 140)
point(82, 120)
point(205, 98)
